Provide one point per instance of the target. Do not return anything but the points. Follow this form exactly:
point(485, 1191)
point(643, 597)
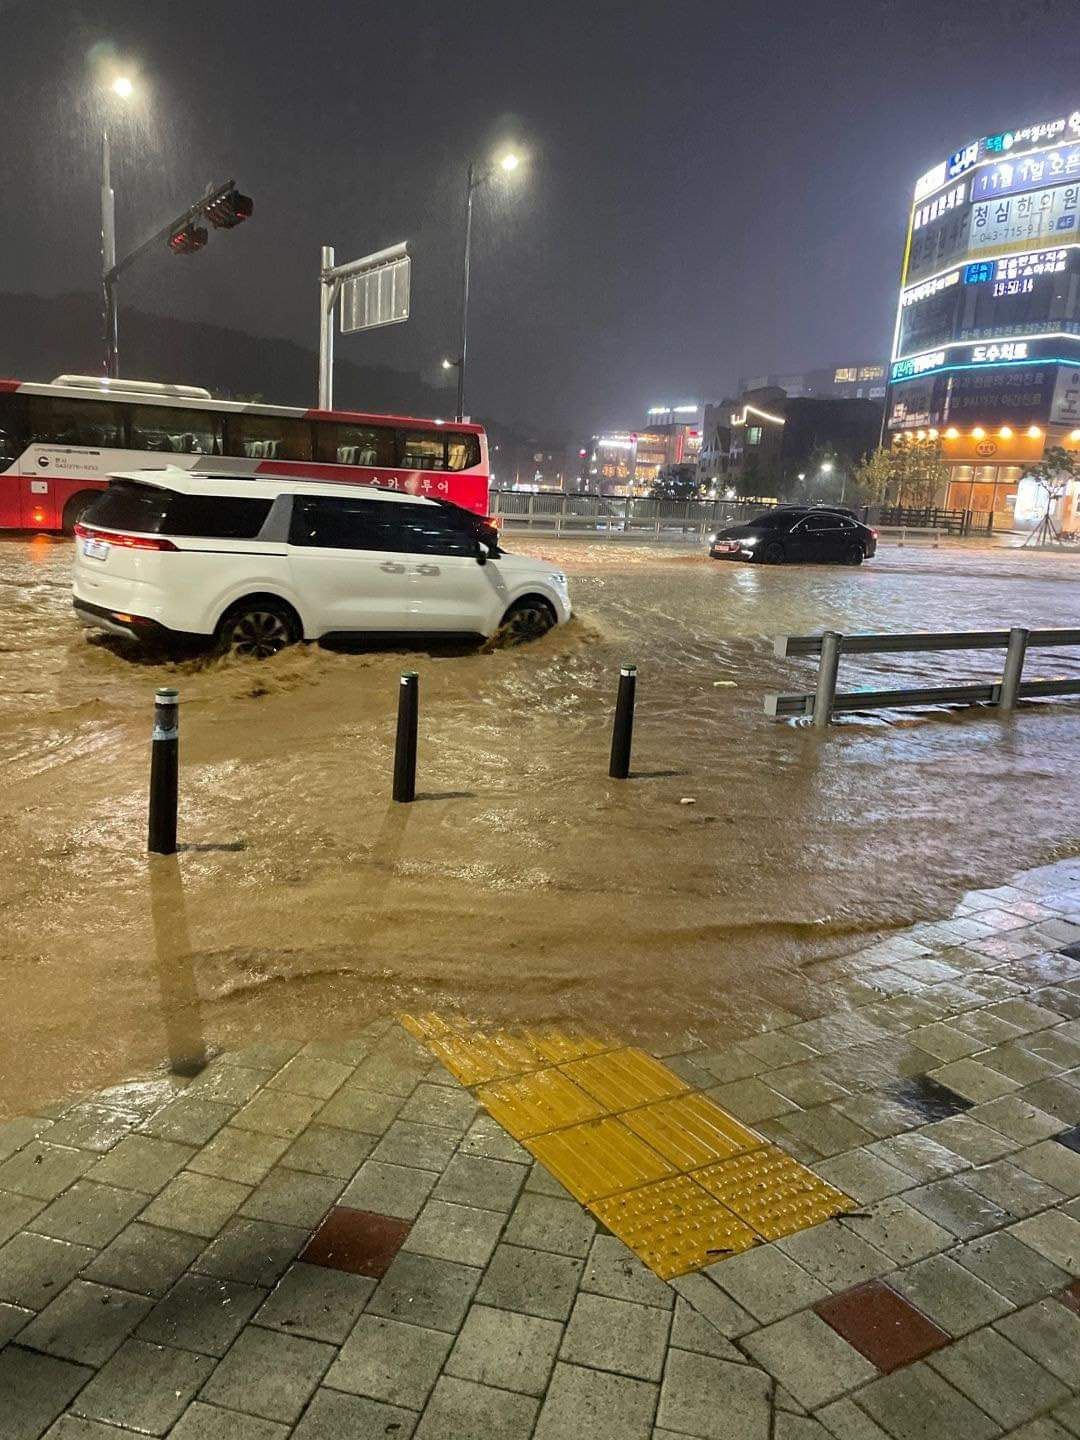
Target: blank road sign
point(379, 296)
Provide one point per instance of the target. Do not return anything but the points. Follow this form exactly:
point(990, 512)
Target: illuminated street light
point(478, 175)
point(826, 467)
point(123, 87)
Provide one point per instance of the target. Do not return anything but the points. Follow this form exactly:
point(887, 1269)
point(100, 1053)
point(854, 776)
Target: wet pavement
point(332, 1239)
point(524, 885)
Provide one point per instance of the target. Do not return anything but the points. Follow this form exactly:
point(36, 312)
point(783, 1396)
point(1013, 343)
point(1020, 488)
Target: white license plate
point(95, 549)
point(727, 546)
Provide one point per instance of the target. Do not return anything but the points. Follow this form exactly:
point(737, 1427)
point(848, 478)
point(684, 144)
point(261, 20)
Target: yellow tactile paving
point(691, 1131)
point(472, 1056)
point(674, 1226)
point(544, 1100)
point(772, 1192)
point(598, 1159)
point(681, 1181)
point(623, 1079)
point(559, 1044)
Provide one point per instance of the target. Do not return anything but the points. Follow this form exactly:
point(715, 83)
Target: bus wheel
point(76, 508)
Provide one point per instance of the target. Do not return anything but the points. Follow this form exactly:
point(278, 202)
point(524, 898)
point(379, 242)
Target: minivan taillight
point(117, 537)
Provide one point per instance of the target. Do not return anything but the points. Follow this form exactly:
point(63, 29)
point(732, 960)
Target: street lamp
point(478, 175)
point(123, 87)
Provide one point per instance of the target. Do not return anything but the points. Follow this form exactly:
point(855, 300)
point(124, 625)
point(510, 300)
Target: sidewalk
point(341, 1241)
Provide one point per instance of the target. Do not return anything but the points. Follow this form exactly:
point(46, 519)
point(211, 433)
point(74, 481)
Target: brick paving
point(334, 1242)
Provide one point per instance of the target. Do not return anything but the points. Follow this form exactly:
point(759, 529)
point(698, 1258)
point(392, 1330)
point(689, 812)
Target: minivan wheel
point(527, 620)
point(773, 554)
point(257, 629)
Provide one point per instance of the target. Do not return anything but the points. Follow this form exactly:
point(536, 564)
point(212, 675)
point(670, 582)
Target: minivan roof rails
point(105, 386)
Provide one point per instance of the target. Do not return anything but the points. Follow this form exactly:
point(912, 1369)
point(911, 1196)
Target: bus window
point(267, 437)
point(462, 451)
point(58, 420)
point(12, 429)
point(339, 443)
point(174, 430)
point(423, 450)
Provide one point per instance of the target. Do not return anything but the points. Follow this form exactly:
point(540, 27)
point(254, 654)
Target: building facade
point(629, 461)
point(986, 350)
point(861, 381)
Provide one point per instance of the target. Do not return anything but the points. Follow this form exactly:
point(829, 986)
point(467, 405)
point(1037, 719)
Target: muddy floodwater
point(523, 884)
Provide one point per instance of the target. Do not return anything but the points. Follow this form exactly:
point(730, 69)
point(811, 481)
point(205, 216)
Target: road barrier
point(622, 732)
point(405, 743)
point(164, 773)
point(822, 702)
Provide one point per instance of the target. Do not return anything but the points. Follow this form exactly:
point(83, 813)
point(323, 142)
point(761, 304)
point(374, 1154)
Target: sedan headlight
point(713, 539)
point(750, 540)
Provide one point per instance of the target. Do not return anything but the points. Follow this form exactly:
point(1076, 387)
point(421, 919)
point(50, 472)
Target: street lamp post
point(477, 176)
point(122, 87)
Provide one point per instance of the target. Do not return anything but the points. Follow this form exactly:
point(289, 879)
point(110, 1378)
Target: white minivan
point(255, 565)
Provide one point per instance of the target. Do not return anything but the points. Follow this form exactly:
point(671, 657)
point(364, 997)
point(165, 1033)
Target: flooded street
point(523, 884)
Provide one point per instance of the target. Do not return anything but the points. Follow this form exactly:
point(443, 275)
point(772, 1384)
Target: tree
point(910, 472)
point(1053, 474)
point(873, 475)
point(677, 482)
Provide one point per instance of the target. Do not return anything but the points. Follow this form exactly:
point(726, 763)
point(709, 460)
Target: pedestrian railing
point(934, 517)
point(824, 701)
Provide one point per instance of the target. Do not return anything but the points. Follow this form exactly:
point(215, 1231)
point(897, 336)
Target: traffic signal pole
point(215, 199)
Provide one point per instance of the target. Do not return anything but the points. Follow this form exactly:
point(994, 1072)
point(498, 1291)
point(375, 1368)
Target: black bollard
point(405, 746)
point(164, 772)
point(622, 734)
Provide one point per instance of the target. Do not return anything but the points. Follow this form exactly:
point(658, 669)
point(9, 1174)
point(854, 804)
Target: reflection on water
point(526, 885)
point(179, 994)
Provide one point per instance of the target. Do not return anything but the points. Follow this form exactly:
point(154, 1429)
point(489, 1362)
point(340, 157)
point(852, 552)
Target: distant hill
point(41, 337)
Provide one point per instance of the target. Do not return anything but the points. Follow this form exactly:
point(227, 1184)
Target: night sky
point(712, 189)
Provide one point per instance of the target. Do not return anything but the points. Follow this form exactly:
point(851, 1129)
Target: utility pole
point(472, 183)
point(108, 261)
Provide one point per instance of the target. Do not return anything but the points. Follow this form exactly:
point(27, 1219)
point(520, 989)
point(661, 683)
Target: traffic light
point(229, 209)
point(187, 240)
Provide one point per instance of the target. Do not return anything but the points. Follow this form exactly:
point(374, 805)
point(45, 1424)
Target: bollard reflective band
point(166, 714)
point(407, 675)
point(628, 670)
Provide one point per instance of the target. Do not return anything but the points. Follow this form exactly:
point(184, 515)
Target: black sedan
point(797, 533)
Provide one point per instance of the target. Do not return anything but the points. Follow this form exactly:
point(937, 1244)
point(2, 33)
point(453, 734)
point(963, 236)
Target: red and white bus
point(59, 444)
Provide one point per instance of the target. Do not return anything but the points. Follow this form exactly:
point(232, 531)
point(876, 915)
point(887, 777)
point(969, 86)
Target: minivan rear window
point(148, 510)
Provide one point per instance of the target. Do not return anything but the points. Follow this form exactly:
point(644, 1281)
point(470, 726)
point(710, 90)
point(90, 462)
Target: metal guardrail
point(618, 514)
point(1004, 693)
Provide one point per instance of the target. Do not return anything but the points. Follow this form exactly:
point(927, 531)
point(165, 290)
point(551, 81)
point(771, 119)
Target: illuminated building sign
point(1014, 222)
point(915, 293)
point(980, 272)
point(931, 181)
point(908, 369)
point(963, 159)
point(1046, 167)
point(947, 201)
point(992, 354)
point(871, 372)
point(1004, 272)
point(1043, 133)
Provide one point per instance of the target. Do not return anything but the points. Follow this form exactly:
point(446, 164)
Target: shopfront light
point(1005, 432)
point(1033, 432)
point(952, 433)
point(978, 433)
